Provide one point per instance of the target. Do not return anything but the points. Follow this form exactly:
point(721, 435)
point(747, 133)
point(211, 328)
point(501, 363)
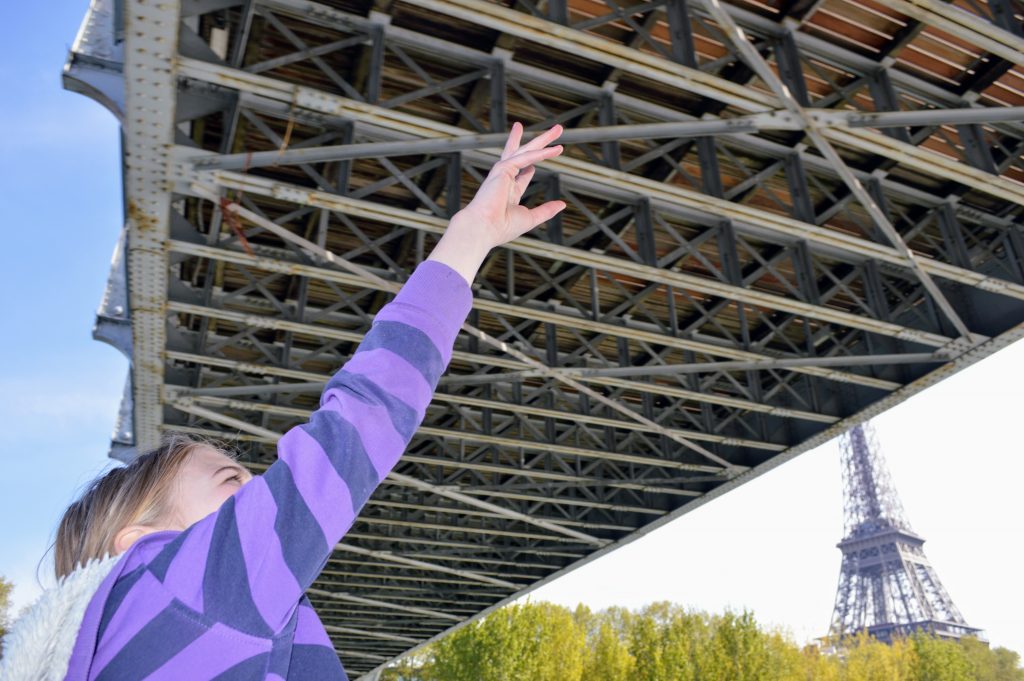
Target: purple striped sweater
point(224, 599)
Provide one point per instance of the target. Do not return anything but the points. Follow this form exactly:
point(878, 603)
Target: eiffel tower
point(886, 584)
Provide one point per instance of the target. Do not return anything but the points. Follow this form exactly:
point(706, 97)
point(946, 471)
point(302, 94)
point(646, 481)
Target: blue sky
point(60, 196)
point(955, 451)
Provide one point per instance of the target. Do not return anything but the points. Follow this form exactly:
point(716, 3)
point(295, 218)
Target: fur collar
point(38, 647)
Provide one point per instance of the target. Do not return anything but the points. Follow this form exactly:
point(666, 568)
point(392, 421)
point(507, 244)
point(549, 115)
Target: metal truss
point(887, 587)
point(783, 218)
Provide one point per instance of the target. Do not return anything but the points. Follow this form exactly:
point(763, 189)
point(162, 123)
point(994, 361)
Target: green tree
point(645, 646)
point(680, 631)
point(6, 588)
point(940, 660)
point(606, 657)
point(620, 619)
point(1007, 665)
point(746, 658)
point(868, 659)
point(817, 666)
point(609, 658)
point(537, 641)
point(669, 643)
point(785, 659)
point(742, 651)
point(991, 664)
point(665, 642)
point(409, 668)
point(661, 639)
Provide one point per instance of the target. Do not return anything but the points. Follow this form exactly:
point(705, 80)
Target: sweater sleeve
point(248, 564)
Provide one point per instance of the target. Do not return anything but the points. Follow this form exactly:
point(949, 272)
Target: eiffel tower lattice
point(887, 587)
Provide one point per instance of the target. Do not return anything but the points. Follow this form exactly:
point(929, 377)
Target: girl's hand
point(494, 216)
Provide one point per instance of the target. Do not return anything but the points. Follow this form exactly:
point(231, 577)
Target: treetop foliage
point(5, 605)
point(665, 642)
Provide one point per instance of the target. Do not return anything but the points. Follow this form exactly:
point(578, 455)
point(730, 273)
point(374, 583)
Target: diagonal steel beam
point(253, 321)
point(325, 68)
point(560, 318)
point(639, 63)
point(601, 51)
point(665, 390)
point(760, 65)
point(896, 119)
point(187, 405)
point(698, 367)
point(479, 403)
point(581, 175)
point(925, 161)
point(976, 30)
point(590, 175)
point(562, 501)
point(329, 257)
point(472, 438)
point(407, 481)
point(738, 125)
point(505, 512)
point(322, 15)
point(494, 141)
point(424, 565)
point(351, 598)
point(537, 501)
point(573, 479)
point(680, 280)
point(317, 51)
point(541, 412)
point(334, 629)
point(387, 577)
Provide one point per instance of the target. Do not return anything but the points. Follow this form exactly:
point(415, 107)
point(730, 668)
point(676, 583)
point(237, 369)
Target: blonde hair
point(138, 493)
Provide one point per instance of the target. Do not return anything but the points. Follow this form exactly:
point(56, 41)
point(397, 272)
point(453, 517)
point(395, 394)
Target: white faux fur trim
point(38, 647)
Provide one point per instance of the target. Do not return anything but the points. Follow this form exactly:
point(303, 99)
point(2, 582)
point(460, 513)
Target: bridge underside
point(783, 217)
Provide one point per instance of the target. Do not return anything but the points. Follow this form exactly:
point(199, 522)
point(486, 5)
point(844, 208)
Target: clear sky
point(61, 204)
point(955, 451)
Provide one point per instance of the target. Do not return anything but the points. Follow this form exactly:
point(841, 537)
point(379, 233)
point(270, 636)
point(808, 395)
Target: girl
point(209, 565)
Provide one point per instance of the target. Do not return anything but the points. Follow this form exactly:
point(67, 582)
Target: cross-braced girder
point(782, 218)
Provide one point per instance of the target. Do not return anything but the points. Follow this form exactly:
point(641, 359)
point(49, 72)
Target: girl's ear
point(129, 535)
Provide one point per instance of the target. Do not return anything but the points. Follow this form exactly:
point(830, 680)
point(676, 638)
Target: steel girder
point(718, 297)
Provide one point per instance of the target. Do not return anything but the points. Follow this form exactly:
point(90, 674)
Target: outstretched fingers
point(516, 168)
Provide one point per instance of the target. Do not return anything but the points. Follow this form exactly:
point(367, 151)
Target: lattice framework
point(887, 586)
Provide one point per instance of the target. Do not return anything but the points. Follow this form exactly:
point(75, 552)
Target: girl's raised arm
point(249, 564)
